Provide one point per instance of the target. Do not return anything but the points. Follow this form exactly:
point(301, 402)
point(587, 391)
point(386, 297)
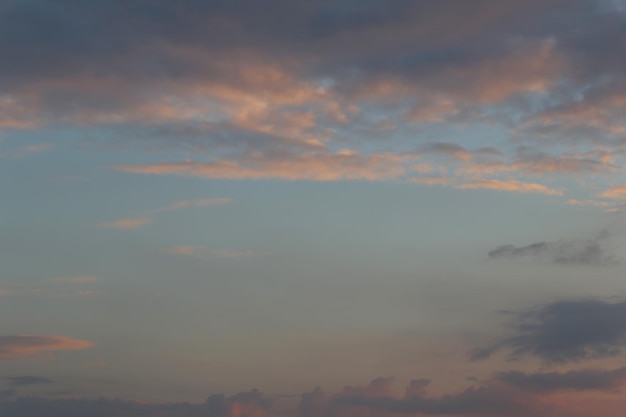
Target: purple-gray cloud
point(28, 380)
point(585, 380)
point(565, 331)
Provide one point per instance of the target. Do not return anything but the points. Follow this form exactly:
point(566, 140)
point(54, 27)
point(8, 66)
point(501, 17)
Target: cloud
point(316, 166)
point(17, 347)
point(245, 404)
point(128, 224)
point(6, 393)
point(615, 193)
point(255, 96)
point(490, 398)
point(79, 279)
point(567, 252)
point(201, 251)
point(564, 331)
point(30, 149)
point(147, 217)
point(507, 394)
point(585, 380)
point(53, 287)
point(28, 380)
point(312, 404)
point(184, 250)
point(513, 186)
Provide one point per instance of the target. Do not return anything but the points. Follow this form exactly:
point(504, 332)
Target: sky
point(312, 208)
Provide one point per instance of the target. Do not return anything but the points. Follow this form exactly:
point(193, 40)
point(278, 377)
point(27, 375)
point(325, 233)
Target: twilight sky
point(312, 208)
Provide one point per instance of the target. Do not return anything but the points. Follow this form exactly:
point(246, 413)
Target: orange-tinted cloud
point(302, 166)
point(16, 347)
point(615, 193)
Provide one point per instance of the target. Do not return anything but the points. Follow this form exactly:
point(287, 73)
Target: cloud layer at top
point(331, 90)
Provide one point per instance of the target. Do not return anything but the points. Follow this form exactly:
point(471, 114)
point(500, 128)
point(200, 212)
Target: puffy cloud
point(17, 347)
point(565, 331)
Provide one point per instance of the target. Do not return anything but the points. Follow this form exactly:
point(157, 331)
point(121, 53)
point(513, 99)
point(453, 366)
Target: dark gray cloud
point(28, 380)
point(585, 380)
point(592, 251)
point(313, 404)
point(565, 331)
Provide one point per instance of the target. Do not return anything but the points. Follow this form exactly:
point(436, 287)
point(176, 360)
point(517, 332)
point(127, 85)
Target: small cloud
point(82, 279)
point(128, 224)
point(201, 251)
point(184, 250)
point(615, 193)
point(28, 380)
point(205, 202)
point(87, 293)
point(42, 147)
point(231, 254)
point(25, 150)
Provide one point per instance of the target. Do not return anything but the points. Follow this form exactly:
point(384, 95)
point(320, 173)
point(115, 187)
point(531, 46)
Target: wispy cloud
point(147, 217)
point(201, 251)
point(79, 279)
point(72, 286)
point(510, 186)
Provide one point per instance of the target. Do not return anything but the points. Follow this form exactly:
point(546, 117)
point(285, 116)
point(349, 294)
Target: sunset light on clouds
point(313, 208)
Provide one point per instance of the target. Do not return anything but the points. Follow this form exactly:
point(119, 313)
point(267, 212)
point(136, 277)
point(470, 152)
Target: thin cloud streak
point(147, 217)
